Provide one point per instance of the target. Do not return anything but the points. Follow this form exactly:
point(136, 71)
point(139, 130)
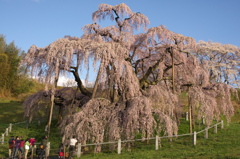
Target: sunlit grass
point(224, 144)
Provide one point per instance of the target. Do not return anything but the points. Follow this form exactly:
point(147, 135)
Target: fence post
point(194, 138)
point(215, 128)
point(222, 124)
point(6, 131)
point(203, 120)
point(48, 149)
point(156, 143)
point(186, 116)
point(10, 127)
point(79, 147)
point(119, 146)
point(206, 133)
point(2, 138)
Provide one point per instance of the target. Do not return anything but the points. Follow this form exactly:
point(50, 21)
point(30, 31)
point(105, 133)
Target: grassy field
point(224, 144)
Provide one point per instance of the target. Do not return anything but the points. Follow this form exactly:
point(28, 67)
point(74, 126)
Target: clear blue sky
point(40, 22)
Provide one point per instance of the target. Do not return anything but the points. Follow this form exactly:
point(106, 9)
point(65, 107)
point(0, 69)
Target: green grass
point(224, 144)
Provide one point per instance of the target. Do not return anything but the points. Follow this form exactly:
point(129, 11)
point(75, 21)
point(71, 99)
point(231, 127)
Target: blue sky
point(40, 22)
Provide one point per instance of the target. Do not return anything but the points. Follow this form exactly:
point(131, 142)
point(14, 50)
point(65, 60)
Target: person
point(16, 147)
point(41, 150)
point(11, 145)
point(32, 141)
point(44, 141)
point(26, 146)
point(21, 146)
point(72, 146)
point(61, 151)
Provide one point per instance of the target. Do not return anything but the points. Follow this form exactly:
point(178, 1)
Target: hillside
point(224, 144)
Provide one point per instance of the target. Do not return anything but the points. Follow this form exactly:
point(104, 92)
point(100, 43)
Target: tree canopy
point(139, 76)
point(12, 82)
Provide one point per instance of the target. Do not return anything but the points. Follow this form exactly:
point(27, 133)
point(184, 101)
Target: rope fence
point(8, 130)
point(79, 146)
point(156, 138)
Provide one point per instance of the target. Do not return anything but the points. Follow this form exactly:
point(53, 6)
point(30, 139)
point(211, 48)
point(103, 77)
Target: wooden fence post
point(156, 143)
point(215, 128)
point(203, 120)
point(2, 138)
point(79, 148)
point(48, 149)
point(194, 138)
point(206, 133)
point(119, 146)
point(10, 127)
point(6, 131)
point(222, 124)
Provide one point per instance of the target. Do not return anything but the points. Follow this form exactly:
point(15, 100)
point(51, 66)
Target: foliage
point(66, 100)
point(143, 73)
point(223, 61)
point(12, 82)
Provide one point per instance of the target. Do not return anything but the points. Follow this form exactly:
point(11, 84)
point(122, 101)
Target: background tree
point(223, 61)
point(12, 83)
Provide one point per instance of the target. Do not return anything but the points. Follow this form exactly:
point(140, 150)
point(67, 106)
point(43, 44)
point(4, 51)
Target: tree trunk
point(80, 84)
point(96, 82)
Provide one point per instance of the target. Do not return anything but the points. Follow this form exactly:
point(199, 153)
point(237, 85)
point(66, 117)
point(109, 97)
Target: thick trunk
point(96, 82)
point(80, 85)
point(147, 74)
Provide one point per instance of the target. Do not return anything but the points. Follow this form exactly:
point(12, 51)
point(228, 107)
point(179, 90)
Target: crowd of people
point(20, 147)
point(23, 148)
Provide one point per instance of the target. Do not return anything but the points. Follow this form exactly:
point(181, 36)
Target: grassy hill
point(224, 144)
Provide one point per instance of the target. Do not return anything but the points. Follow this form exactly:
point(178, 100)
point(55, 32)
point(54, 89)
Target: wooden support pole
point(119, 146)
point(48, 149)
point(215, 128)
point(6, 132)
point(206, 133)
point(186, 116)
point(194, 138)
point(79, 148)
point(222, 124)
point(156, 143)
point(10, 127)
point(203, 120)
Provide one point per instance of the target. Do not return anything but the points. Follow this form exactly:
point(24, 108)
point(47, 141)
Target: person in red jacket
point(21, 146)
point(31, 141)
point(11, 145)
